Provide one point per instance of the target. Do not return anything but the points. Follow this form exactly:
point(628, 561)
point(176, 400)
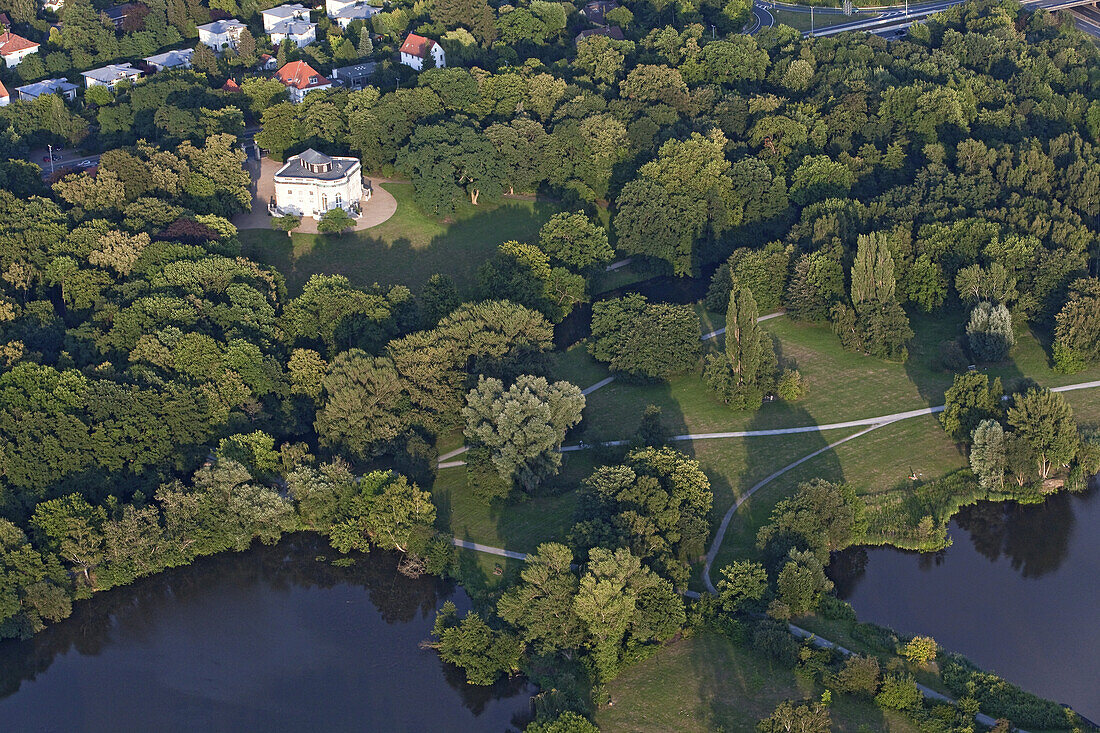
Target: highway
point(893, 20)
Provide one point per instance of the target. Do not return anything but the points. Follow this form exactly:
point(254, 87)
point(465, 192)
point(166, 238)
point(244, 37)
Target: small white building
point(14, 48)
point(221, 34)
point(299, 32)
point(5, 98)
point(343, 12)
point(110, 75)
point(180, 59)
point(300, 78)
point(47, 86)
point(417, 48)
point(312, 183)
point(283, 13)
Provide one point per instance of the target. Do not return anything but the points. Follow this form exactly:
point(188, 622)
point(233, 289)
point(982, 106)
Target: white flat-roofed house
point(14, 48)
point(312, 183)
point(282, 14)
point(221, 34)
point(345, 11)
point(180, 59)
point(299, 32)
point(110, 75)
point(417, 48)
point(47, 86)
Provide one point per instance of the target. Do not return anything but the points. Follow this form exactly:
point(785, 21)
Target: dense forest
point(165, 397)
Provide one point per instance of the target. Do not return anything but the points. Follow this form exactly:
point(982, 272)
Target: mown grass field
point(406, 249)
point(706, 683)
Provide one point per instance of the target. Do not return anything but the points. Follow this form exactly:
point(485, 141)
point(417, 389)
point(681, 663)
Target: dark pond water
point(266, 640)
point(1018, 593)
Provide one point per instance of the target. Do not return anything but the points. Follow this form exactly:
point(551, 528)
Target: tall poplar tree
point(743, 335)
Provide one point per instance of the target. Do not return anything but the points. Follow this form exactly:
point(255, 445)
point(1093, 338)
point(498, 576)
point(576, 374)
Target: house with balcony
point(110, 76)
point(61, 87)
point(179, 59)
point(221, 34)
point(343, 12)
point(300, 78)
point(312, 183)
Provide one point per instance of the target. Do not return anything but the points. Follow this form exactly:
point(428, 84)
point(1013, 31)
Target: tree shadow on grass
point(410, 257)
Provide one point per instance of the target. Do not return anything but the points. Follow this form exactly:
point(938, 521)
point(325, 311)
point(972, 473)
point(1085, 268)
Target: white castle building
point(312, 183)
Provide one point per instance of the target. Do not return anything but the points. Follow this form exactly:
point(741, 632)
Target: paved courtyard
point(381, 206)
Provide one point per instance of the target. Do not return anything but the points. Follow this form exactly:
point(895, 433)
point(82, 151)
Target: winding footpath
point(868, 424)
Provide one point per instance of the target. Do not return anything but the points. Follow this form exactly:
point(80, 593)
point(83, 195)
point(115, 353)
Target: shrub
point(773, 639)
point(952, 357)
point(899, 693)
point(791, 387)
point(859, 676)
point(921, 649)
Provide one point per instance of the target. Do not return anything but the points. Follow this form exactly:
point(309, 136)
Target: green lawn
point(801, 21)
point(406, 249)
point(706, 683)
point(516, 525)
point(842, 385)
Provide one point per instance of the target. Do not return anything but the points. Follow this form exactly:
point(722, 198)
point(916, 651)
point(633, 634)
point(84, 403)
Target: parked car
point(86, 164)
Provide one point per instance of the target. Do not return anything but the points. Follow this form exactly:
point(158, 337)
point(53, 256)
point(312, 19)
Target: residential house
point(5, 98)
point(5, 21)
point(312, 183)
point(267, 62)
point(595, 10)
point(417, 48)
point(300, 79)
point(117, 14)
point(612, 32)
point(110, 75)
point(345, 11)
point(14, 48)
point(178, 59)
point(47, 86)
point(282, 14)
point(231, 86)
point(299, 32)
point(355, 76)
point(221, 34)
point(54, 6)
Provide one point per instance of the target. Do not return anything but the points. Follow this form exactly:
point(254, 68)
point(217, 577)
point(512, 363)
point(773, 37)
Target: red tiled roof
point(297, 74)
point(3, 91)
point(11, 43)
point(418, 46)
point(230, 86)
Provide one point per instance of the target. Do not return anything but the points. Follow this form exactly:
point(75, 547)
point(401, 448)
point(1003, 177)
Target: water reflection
point(253, 640)
point(1034, 538)
point(1009, 565)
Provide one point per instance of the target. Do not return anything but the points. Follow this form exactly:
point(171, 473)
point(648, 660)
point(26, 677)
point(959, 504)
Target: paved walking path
point(721, 533)
point(467, 545)
point(444, 462)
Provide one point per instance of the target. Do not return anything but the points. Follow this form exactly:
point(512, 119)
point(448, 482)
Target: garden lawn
point(706, 683)
point(406, 249)
point(841, 385)
point(877, 464)
point(519, 524)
